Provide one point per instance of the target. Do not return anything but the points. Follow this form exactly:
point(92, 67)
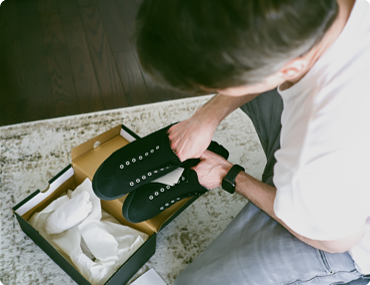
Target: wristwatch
point(228, 183)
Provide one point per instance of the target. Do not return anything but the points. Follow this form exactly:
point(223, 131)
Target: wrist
point(229, 180)
point(208, 115)
point(226, 168)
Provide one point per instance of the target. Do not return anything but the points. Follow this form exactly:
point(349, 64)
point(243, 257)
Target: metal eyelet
point(173, 201)
point(162, 190)
point(178, 199)
point(149, 174)
point(155, 171)
point(138, 180)
point(182, 178)
point(146, 154)
point(140, 157)
point(168, 187)
point(121, 166)
point(127, 163)
point(156, 193)
point(161, 169)
point(166, 204)
point(133, 160)
point(132, 183)
point(161, 208)
point(143, 177)
point(151, 197)
point(157, 147)
point(152, 150)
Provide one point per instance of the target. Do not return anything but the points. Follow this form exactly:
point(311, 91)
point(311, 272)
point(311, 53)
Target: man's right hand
point(191, 137)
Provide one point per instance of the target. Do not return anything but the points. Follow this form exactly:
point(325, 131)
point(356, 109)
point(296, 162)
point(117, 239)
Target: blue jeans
point(254, 248)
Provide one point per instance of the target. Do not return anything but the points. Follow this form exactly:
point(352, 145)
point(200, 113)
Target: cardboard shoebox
point(86, 159)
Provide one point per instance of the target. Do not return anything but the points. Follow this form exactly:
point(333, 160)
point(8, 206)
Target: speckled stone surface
point(33, 153)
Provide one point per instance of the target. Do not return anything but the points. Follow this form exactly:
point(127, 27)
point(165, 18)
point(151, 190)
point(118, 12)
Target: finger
point(172, 128)
point(186, 150)
point(172, 135)
point(170, 132)
point(175, 139)
point(174, 145)
point(181, 153)
point(173, 131)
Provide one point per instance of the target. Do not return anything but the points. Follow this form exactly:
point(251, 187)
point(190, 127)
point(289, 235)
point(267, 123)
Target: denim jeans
point(254, 248)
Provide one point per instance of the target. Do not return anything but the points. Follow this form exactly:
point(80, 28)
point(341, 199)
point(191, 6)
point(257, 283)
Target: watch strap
point(228, 183)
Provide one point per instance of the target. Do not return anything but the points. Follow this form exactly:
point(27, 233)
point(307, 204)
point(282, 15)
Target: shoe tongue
point(171, 178)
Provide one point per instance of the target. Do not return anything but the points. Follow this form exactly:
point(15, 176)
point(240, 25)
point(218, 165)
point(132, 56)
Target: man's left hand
point(211, 169)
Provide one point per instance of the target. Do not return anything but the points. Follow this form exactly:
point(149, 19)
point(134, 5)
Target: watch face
point(228, 185)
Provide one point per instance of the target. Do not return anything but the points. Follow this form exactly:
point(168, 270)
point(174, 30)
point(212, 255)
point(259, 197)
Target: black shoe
point(134, 165)
point(151, 199)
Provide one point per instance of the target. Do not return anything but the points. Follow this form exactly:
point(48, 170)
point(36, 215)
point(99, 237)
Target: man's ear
point(294, 69)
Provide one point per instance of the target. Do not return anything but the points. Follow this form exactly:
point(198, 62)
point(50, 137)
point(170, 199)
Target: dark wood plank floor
point(66, 57)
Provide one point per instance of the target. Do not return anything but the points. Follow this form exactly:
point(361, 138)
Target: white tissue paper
point(96, 243)
point(69, 214)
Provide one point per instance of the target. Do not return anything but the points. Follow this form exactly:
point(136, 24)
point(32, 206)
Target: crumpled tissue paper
point(95, 242)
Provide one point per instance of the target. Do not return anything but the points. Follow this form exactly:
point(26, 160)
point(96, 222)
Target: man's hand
point(190, 138)
point(211, 169)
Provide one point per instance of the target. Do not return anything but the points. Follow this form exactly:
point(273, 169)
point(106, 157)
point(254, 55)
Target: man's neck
point(345, 9)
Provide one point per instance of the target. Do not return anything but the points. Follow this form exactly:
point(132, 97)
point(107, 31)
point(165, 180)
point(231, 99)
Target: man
point(300, 70)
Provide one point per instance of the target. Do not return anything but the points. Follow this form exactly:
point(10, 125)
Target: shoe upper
point(134, 165)
point(153, 198)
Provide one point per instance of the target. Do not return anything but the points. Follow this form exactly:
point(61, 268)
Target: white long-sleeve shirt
point(322, 172)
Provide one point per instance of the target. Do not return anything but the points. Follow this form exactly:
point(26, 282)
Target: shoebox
point(86, 159)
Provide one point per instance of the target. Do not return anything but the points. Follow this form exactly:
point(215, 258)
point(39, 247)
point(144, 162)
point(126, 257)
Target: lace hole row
point(168, 187)
point(166, 205)
point(137, 180)
point(133, 160)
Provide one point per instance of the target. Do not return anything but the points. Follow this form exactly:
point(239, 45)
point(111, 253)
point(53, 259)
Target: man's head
point(216, 44)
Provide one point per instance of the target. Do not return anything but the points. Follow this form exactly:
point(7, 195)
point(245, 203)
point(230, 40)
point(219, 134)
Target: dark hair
point(225, 43)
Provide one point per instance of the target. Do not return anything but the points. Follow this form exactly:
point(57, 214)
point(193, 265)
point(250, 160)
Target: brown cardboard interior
point(86, 158)
point(69, 184)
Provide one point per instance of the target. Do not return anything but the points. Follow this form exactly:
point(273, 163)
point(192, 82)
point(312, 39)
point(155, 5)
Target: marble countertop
point(32, 153)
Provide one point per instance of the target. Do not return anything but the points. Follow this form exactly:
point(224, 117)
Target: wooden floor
point(66, 57)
